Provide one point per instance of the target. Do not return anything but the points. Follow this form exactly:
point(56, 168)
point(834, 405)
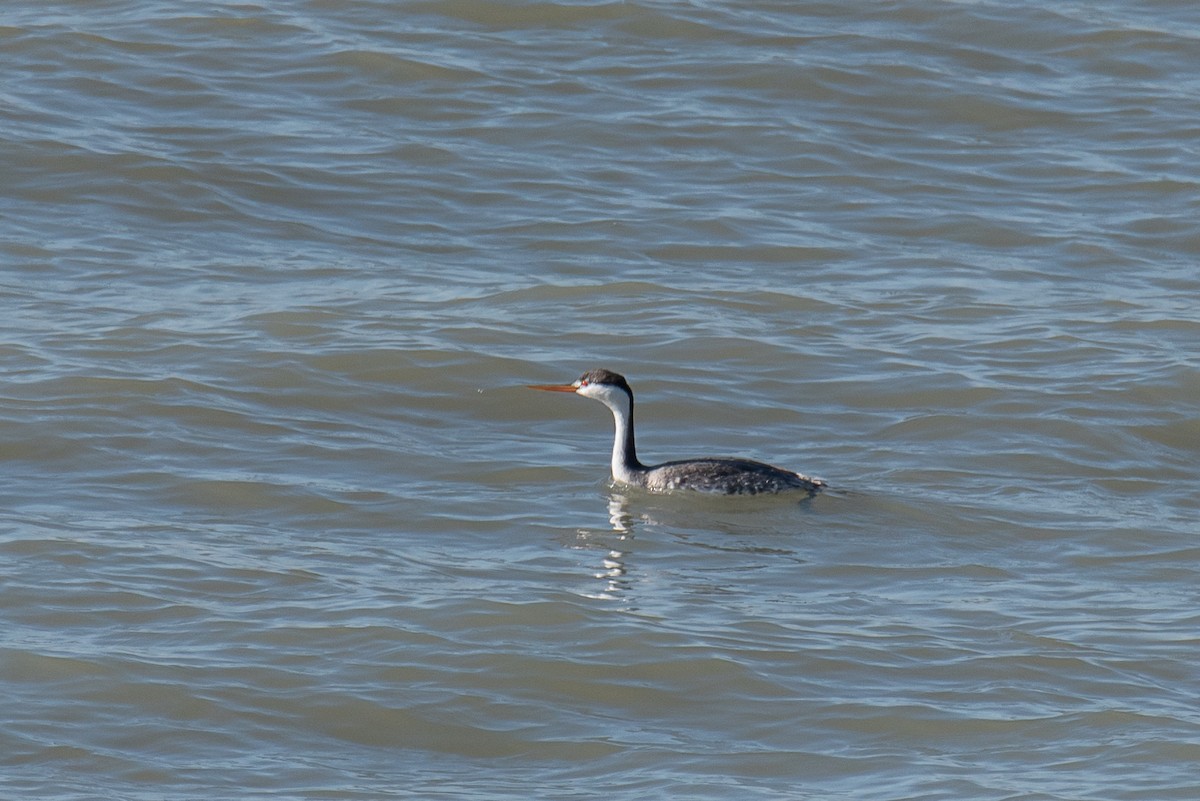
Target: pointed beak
point(554, 387)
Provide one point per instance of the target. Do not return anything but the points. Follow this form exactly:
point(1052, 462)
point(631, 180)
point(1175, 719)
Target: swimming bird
point(717, 475)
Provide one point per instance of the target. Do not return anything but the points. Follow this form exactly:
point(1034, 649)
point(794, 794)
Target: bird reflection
point(614, 574)
point(613, 569)
point(716, 526)
point(618, 514)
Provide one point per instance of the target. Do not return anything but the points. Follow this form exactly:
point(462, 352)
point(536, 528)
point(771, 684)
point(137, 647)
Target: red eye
point(583, 383)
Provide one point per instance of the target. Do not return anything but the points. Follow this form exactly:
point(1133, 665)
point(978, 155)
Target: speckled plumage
point(717, 475)
point(726, 476)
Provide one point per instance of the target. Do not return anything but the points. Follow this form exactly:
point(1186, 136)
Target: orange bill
point(554, 387)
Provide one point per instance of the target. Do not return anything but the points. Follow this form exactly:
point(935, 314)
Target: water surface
point(279, 519)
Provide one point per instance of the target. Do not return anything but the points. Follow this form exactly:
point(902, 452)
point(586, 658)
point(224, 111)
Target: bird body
point(719, 475)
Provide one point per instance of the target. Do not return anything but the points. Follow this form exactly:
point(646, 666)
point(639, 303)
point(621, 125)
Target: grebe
point(714, 475)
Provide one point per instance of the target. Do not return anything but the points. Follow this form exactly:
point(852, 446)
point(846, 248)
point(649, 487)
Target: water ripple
point(280, 518)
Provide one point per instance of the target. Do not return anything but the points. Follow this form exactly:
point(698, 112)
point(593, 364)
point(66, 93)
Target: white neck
point(625, 465)
point(624, 460)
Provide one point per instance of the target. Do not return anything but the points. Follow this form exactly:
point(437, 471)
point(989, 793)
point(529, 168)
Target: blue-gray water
point(278, 519)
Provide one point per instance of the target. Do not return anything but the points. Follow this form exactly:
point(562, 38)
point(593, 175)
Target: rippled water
point(280, 520)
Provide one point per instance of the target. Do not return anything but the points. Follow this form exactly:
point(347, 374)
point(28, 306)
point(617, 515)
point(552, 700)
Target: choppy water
point(279, 521)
